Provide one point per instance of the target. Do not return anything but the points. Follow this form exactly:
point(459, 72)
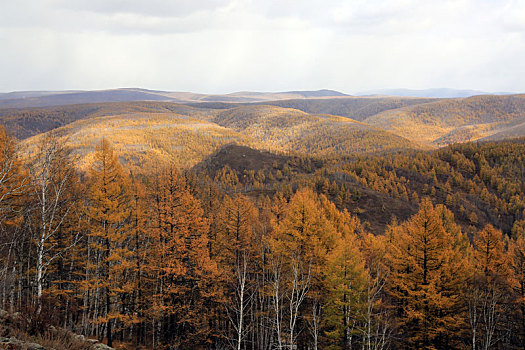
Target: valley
point(149, 223)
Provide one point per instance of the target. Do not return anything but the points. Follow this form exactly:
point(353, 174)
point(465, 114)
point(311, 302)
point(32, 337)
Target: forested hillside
point(145, 140)
point(265, 225)
point(357, 108)
point(249, 249)
point(27, 122)
point(148, 133)
point(454, 120)
point(294, 131)
point(370, 124)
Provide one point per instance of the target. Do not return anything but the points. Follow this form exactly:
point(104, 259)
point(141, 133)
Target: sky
point(221, 46)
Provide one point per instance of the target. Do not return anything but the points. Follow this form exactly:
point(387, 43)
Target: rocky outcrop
point(14, 343)
point(22, 341)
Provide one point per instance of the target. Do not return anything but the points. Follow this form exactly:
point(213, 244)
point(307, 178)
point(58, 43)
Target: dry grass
point(58, 339)
point(52, 338)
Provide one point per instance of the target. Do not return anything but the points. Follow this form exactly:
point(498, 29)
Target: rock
point(33, 346)
point(20, 344)
point(3, 313)
point(11, 341)
point(100, 346)
point(80, 337)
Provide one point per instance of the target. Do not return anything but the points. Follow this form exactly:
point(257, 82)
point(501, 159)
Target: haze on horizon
point(220, 46)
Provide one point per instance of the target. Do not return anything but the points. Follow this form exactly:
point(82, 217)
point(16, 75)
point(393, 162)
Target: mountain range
point(25, 99)
point(435, 92)
point(148, 127)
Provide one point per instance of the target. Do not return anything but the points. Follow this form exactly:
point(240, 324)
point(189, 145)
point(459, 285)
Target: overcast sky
point(219, 46)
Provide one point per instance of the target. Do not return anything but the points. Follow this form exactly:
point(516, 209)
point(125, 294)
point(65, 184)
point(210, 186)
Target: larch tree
point(238, 256)
point(299, 245)
point(109, 213)
point(14, 182)
point(179, 264)
point(517, 259)
point(426, 278)
point(489, 292)
point(377, 324)
point(346, 280)
point(140, 246)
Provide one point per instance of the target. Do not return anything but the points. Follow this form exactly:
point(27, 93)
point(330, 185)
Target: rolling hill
point(436, 92)
point(291, 130)
point(357, 108)
point(27, 122)
point(454, 120)
point(150, 133)
point(78, 97)
point(146, 140)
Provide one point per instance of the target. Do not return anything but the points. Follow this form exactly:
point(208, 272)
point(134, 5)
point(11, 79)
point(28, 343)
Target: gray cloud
point(157, 8)
point(229, 45)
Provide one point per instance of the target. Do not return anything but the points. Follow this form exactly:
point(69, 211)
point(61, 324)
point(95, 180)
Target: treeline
point(178, 260)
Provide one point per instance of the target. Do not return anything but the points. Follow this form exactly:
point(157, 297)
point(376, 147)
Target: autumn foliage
point(171, 259)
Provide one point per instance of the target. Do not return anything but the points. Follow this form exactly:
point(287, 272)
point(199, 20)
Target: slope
point(27, 122)
point(480, 182)
point(291, 130)
point(148, 134)
point(453, 120)
point(145, 140)
point(357, 108)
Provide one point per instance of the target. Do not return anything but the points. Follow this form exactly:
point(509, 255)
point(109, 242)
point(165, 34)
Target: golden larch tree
point(109, 212)
point(426, 277)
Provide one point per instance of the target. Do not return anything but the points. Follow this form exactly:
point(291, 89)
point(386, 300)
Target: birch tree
point(52, 181)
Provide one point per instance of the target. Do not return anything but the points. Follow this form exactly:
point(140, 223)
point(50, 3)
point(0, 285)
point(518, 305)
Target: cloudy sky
point(219, 46)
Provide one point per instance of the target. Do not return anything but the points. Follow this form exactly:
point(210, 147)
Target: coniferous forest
point(262, 175)
point(415, 249)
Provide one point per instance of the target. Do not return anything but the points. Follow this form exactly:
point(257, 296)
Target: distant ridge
point(318, 93)
point(435, 92)
point(27, 94)
point(59, 98)
point(26, 99)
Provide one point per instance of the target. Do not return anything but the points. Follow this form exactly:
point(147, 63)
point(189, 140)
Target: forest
point(415, 250)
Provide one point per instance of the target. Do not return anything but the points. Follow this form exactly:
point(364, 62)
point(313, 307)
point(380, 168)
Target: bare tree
point(277, 298)
point(52, 175)
point(488, 302)
point(243, 297)
point(13, 185)
point(299, 286)
point(376, 329)
point(314, 322)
